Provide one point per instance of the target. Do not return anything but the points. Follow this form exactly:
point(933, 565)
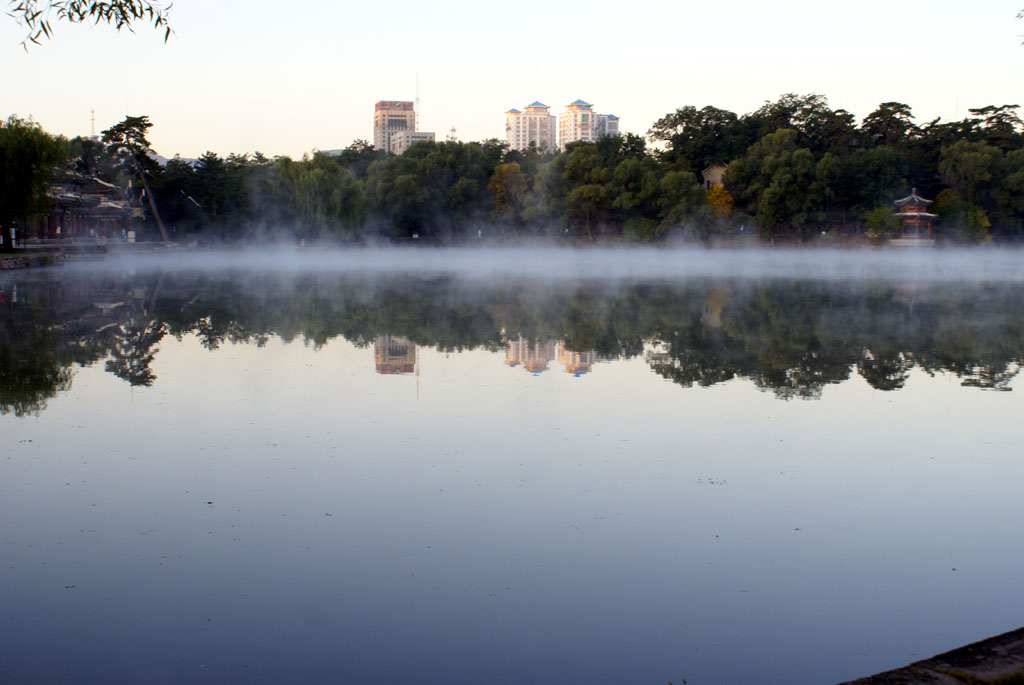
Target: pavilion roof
point(913, 199)
point(724, 165)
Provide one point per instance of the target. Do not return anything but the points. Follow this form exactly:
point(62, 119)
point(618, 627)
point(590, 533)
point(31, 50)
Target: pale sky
point(284, 78)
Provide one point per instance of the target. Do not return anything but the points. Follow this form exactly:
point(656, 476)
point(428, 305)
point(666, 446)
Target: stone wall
point(28, 261)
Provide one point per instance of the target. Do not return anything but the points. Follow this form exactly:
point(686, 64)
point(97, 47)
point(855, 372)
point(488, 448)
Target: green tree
point(29, 157)
point(682, 201)
point(37, 16)
point(808, 115)
point(508, 188)
point(880, 221)
point(891, 124)
point(961, 217)
point(175, 191)
point(358, 156)
point(968, 168)
point(325, 199)
point(211, 185)
point(634, 191)
point(586, 178)
point(776, 181)
point(544, 209)
point(1000, 126)
point(1008, 196)
point(88, 156)
point(696, 139)
point(127, 141)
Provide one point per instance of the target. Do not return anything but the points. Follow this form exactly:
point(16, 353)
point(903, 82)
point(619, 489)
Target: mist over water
point(599, 263)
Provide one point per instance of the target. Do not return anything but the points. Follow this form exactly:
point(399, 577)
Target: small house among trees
point(915, 219)
point(712, 175)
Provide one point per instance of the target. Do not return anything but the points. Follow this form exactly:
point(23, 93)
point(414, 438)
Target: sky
point(287, 79)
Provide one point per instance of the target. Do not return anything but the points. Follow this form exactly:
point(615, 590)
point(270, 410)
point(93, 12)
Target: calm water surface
point(400, 473)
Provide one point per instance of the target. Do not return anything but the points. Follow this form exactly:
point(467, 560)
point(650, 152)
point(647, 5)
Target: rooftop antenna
point(416, 118)
point(92, 114)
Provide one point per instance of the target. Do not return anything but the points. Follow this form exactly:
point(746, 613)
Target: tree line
point(794, 167)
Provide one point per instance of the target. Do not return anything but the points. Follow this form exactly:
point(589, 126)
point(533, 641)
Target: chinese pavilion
point(915, 219)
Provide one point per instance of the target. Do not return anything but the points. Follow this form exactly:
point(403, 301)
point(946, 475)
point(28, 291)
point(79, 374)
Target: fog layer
point(630, 264)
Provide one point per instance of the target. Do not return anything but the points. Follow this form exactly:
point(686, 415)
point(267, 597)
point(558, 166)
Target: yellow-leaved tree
point(719, 201)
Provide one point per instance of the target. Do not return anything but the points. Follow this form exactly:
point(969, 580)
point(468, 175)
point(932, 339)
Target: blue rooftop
point(580, 102)
point(512, 110)
point(536, 103)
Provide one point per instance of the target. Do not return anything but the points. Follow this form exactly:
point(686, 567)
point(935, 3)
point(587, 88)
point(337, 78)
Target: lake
point(508, 466)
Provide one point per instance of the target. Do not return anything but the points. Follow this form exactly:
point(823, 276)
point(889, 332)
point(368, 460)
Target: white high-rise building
point(534, 126)
point(607, 125)
point(580, 122)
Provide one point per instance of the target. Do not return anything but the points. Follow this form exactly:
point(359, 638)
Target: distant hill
point(162, 161)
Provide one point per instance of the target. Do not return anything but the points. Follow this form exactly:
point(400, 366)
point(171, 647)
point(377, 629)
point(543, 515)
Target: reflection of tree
point(885, 373)
point(31, 371)
point(804, 380)
point(134, 340)
point(793, 352)
point(704, 358)
point(133, 350)
point(989, 377)
point(790, 338)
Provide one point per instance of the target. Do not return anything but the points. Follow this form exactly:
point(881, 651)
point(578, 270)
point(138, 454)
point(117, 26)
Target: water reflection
point(791, 338)
point(394, 354)
point(134, 337)
point(592, 482)
point(534, 356)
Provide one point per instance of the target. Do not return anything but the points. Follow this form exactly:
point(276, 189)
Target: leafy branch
point(38, 15)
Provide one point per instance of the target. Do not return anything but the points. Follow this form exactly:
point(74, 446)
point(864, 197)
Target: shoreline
point(998, 659)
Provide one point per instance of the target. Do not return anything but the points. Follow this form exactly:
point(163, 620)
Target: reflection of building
point(533, 356)
point(576, 363)
point(394, 354)
point(714, 301)
point(915, 220)
point(532, 127)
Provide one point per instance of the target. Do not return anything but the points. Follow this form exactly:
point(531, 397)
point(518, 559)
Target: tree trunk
point(152, 207)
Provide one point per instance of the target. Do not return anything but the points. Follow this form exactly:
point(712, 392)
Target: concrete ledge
point(995, 660)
